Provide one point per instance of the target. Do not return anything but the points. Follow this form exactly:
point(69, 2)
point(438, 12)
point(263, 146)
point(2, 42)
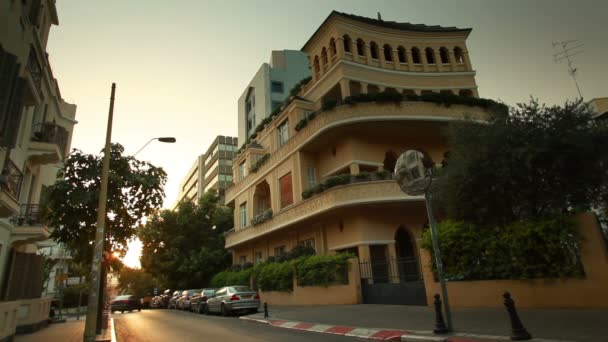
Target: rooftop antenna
point(379, 16)
point(570, 48)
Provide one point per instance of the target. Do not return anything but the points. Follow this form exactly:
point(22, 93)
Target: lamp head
point(167, 139)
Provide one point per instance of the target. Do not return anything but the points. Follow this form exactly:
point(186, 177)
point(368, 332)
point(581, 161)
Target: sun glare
point(131, 259)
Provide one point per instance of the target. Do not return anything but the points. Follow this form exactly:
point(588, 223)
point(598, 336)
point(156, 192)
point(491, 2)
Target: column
point(363, 88)
point(322, 65)
point(381, 58)
point(438, 60)
point(392, 262)
point(368, 54)
point(345, 87)
point(396, 63)
point(354, 169)
point(467, 61)
point(340, 48)
point(311, 60)
point(410, 61)
point(425, 63)
point(452, 60)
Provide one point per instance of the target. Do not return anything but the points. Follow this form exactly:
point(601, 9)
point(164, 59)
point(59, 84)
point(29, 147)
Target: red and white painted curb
point(365, 333)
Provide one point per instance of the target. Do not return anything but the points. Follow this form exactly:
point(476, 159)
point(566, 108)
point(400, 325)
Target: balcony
point(345, 115)
point(48, 143)
point(341, 196)
point(10, 187)
point(30, 225)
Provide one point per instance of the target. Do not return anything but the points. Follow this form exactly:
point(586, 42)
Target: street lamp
point(415, 179)
point(161, 139)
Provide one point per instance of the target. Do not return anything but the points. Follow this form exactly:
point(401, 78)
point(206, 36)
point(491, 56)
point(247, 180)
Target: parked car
point(173, 301)
point(125, 303)
point(157, 302)
point(146, 301)
point(183, 302)
point(166, 297)
point(231, 299)
point(199, 300)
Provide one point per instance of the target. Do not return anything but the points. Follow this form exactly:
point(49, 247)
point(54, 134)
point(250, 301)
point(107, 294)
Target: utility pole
point(569, 51)
point(93, 300)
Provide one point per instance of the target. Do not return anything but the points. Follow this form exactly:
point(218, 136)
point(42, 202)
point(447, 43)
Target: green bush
point(296, 89)
point(322, 270)
point(262, 217)
point(539, 248)
point(336, 181)
point(258, 164)
point(276, 276)
point(227, 278)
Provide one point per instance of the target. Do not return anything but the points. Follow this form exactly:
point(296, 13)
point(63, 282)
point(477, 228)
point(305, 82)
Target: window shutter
point(286, 190)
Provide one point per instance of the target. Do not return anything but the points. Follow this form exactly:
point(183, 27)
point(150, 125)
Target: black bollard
point(265, 310)
point(440, 327)
point(518, 332)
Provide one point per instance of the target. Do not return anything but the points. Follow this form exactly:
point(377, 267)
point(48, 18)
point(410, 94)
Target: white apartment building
point(269, 88)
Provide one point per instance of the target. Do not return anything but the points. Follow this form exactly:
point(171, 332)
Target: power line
point(570, 48)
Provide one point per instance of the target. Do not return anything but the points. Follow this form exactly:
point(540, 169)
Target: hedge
point(337, 180)
point(539, 248)
point(258, 164)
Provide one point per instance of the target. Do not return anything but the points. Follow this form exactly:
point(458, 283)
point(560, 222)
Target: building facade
point(599, 107)
point(212, 170)
point(314, 175)
point(269, 88)
point(36, 127)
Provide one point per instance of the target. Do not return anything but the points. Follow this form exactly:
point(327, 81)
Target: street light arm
point(161, 139)
point(144, 146)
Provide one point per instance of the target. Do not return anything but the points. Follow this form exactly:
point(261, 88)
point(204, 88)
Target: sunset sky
point(181, 65)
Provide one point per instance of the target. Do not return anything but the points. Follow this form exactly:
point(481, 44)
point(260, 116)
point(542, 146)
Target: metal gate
point(392, 281)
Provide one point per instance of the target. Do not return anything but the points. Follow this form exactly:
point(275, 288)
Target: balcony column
point(409, 60)
point(381, 58)
point(393, 264)
point(381, 88)
point(475, 93)
point(425, 63)
point(354, 169)
point(322, 65)
point(311, 62)
point(368, 54)
point(396, 64)
point(345, 87)
point(340, 48)
point(452, 60)
point(364, 87)
point(438, 60)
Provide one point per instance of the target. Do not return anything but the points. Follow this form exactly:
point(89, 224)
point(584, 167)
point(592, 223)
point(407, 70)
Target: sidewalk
point(70, 331)
point(564, 325)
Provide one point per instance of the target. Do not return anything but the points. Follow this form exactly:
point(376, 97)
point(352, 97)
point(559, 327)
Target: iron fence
point(11, 178)
point(50, 133)
point(393, 270)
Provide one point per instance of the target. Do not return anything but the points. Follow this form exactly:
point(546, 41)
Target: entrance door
point(380, 270)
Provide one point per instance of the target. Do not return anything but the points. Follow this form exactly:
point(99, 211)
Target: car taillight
point(235, 297)
point(257, 296)
point(125, 301)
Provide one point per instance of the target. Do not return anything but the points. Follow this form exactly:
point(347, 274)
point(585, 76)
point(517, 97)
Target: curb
point(112, 330)
point(363, 333)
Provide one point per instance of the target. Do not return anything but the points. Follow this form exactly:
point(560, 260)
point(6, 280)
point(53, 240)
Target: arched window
point(445, 56)
point(401, 54)
point(374, 50)
point(347, 43)
point(316, 67)
point(465, 93)
point(390, 159)
point(360, 47)
point(388, 53)
point(416, 55)
point(430, 55)
point(332, 48)
point(324, 56)
point(458, 55)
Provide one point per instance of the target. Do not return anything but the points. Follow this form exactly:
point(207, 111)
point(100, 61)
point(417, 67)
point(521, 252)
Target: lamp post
point(415, 179)
point(161, 139)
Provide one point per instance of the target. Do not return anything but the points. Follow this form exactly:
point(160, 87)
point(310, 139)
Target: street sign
point(73, 280)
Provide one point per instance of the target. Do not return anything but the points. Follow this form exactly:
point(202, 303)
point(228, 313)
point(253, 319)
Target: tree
point(135, 190)
point(136, 281)
point(185, 248)
point(536, 162)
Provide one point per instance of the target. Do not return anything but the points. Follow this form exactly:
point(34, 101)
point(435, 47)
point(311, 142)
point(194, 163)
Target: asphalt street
point(174, 325)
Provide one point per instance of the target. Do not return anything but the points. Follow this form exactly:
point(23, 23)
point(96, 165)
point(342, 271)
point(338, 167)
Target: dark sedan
point(199, 300)
point(125, 303)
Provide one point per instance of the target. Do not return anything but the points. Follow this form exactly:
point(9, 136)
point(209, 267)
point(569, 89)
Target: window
point(276, 87)
point(250, 111)
point(388, 53)
point(401, 54)
point(242, 171)
point(347, 43)
point(242, 261)
point(258, 257)
point(226, 162)
point(276, 104)
point(360, 47)
point(243, 214)
point(308, 243)
point(332, 48)
point(286, 190)
point(225, 178)
point(416, 55)
point(311, 176)
point(324, 57)
point(211, 168)
point(283, 133)
point(445, 56)
point(279, 250)
point(458, 55)
point(317, 69)
point(430, 55)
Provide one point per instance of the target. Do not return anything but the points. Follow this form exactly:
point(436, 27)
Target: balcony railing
point(10, 180)
point(30, 215)
point(50, 133)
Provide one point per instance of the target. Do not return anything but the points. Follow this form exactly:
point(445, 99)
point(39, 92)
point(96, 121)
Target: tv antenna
point(570, 48)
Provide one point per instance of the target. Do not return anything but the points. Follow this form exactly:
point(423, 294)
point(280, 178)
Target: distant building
point(269, 88)
point(212, 170)
point(600, 108)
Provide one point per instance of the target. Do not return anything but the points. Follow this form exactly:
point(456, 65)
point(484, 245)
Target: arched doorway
point(407, 261)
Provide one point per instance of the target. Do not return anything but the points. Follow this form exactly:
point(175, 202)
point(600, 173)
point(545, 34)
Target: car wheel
point(254, 310)
point(139, 310)
point(223, 310)
point(200, 308)
point(122, 311)
point(206, 310)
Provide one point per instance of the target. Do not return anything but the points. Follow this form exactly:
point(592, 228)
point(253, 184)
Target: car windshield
point(208, 293)
point(122, 297)
point(193, 292)
point(240, 289)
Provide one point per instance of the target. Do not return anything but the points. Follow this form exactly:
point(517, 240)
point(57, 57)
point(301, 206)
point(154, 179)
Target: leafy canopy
point(135, 281)
point(135, 190)
point(184, 248)
point(539, 161)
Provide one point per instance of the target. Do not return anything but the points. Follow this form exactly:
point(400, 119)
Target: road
point(173, 325)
